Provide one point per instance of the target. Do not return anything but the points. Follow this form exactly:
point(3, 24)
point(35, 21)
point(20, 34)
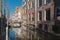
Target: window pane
point(28, 6)
point(40, 3)
point(48, 14)
point(33, 5)
point(40, 15)
point(48, 1)
point(29, 17)
point(33, 16)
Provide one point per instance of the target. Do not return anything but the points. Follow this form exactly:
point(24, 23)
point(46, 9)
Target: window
point(33, 4)
point(25, 10)
point(29, 17)
point(16, 11)
point(44, 15)
point(40, 3)
point(40, 15)
point(33, 16)
point(48, 14)
point(46, 27)
point(29, 7)
point(48, 1)
point(44, 1)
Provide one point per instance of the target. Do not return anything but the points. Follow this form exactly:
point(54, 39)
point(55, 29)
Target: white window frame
point(28, 6)
point(31, 16)
point(28, 17)
point(31, 4)
point(44, 15)
point(25, 9)
point(38, 3)
point(38, 16)
point(44, 1)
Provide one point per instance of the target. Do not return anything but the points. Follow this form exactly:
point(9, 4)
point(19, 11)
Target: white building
point(16, 17)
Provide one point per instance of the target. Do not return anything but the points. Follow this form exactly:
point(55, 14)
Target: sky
point(11, 4)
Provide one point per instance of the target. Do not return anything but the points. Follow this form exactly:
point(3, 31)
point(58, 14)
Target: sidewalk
point(6, 33)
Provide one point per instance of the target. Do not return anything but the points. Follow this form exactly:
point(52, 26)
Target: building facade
point(24, 18)
point(42, 15)
point(16, 17)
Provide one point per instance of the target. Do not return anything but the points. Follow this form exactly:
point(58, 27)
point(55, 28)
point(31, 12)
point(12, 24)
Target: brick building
point(24, 18)
point(43, 15)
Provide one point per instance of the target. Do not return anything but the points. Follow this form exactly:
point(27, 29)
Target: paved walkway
point(6, 33)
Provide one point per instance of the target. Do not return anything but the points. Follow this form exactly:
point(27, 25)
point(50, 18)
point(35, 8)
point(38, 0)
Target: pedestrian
point(11, 33)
